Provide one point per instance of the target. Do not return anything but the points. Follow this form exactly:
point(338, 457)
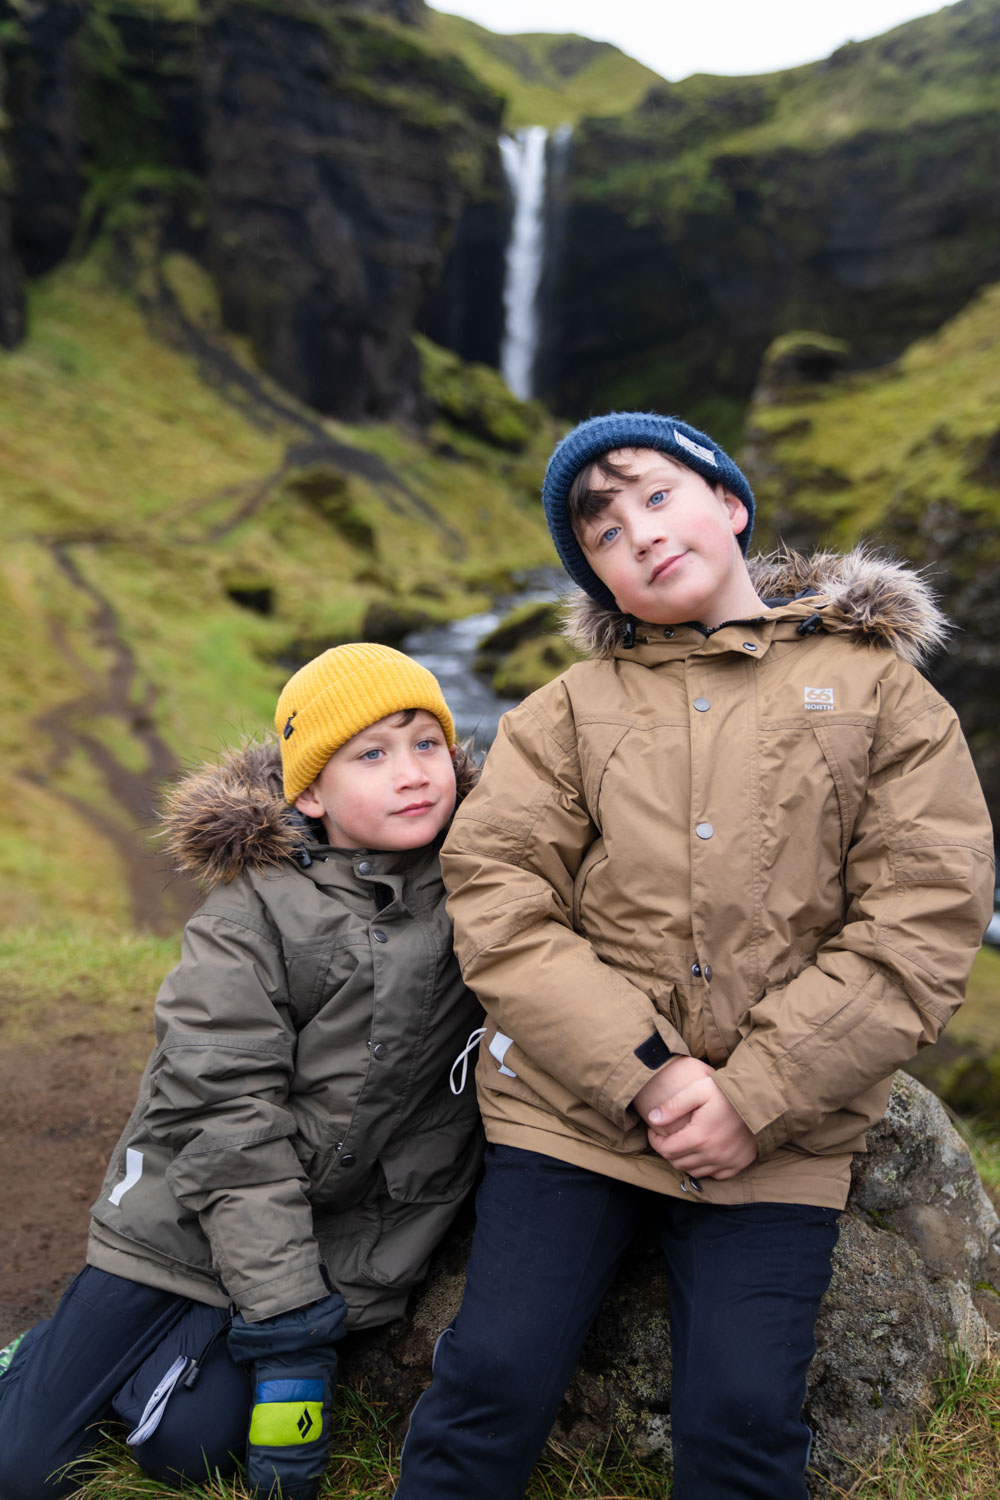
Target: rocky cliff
point(906, 458)
point(340, 155)
point(857, 196)
point(315, 155)
point(334, 163)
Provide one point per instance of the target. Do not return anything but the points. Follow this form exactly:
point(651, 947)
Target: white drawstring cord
point(463, 1058)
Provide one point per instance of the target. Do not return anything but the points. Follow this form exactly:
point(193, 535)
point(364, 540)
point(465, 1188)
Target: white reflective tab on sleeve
point(498, 1049)
point(133, 1171)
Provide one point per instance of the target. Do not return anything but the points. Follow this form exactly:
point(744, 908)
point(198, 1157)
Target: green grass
point(916, 431)
point(898, 92)
point(978, 1019)
point(956, 1454)
point(364, 1465)
point(71, 969)
point(115, 449)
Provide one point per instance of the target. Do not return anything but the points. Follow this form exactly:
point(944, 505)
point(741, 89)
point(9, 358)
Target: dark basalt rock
point(464, 310)
point(11, 294)
point(44, 143)
point(340, 156)
point(877, 240)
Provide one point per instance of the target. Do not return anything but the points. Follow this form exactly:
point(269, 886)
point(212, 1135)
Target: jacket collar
point(871, 599)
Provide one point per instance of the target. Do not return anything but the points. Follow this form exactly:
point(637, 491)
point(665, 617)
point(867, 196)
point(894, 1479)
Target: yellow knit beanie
point(336, 695)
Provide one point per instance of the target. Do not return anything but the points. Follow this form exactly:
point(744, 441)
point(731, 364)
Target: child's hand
point(671, 1078)
point(699, 1132)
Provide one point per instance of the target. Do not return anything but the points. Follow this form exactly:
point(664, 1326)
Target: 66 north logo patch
point(819, 698)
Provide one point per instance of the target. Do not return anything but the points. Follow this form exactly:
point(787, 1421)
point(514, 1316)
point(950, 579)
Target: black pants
point(745, 1285)
point(97, 1360)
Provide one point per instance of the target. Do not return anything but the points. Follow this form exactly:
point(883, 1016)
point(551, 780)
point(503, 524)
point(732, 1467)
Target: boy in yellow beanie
point(296, 1152)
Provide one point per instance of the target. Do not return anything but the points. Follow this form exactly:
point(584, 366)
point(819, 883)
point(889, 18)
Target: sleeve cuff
point(622, 1085)
point(748, 1087)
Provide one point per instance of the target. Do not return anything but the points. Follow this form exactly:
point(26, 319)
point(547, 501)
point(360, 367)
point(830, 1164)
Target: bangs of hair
point(584, 504)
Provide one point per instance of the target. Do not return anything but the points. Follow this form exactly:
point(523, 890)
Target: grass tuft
point(958, 1452)
point(957, 1455)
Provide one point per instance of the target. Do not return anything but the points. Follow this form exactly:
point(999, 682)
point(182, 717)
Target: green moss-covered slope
point(905, 458)
point(546, 79)
point(934, 69)
point(176, 535)
point(856, 196)
point(854, 454)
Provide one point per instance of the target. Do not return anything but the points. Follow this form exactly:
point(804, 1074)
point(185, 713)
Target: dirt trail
point(64, 1106)
point(264, 404)
point(161, 901)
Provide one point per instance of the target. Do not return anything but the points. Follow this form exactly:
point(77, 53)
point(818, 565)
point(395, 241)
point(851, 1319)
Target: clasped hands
point(692, 1124)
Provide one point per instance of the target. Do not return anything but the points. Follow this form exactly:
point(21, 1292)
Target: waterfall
point(523, 158)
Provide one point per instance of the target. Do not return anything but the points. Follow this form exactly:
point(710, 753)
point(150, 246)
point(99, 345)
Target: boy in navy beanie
point(716, 883)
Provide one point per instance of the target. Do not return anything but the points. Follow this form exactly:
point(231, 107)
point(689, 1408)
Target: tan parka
point(765, 844)
point(295, 1121)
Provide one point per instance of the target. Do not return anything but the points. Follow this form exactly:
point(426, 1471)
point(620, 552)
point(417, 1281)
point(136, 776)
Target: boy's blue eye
point(371, 755)
point(610, 534)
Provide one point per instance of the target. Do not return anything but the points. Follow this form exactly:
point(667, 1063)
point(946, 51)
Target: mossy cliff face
point(315, 155)
point(42, 139)
point(11, 295)
point(856, 196)
point(340, 154)
point(908, 459)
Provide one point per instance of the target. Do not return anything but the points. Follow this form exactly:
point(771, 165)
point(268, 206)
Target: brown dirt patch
point(63, 1108)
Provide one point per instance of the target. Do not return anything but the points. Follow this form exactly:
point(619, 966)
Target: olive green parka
point(763, 845)
point(294, 1121)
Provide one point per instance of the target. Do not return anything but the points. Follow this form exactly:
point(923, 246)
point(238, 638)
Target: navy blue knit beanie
point(630, 429)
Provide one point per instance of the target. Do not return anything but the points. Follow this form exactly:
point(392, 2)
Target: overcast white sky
point(706, 36)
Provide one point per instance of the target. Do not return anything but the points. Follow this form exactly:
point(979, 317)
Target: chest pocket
point(813, 774)
point(595, 855)
point(317, 970)
point(845, 748)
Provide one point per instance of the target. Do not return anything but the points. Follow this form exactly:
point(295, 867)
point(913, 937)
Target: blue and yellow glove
point(293, 1364)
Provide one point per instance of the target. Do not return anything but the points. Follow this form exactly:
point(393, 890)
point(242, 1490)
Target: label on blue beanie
point(695, 448)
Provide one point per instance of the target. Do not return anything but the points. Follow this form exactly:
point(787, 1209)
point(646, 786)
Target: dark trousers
point(745, 1285)
point(97, 1360)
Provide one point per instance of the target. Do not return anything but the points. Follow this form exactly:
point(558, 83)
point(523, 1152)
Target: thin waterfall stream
point(523, 157)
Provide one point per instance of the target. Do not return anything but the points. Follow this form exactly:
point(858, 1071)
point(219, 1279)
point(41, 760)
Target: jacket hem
point(820, 1182)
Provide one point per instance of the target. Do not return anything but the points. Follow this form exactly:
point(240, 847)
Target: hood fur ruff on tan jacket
point(874, 600)
point(765, 844)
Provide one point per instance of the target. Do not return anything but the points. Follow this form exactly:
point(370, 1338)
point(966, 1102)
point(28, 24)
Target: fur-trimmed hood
point(230, 816)
point(874, 599)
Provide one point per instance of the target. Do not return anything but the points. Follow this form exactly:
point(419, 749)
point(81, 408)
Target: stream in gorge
point(449, 650)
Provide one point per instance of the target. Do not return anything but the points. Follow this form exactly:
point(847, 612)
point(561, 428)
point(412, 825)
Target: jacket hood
point(875, 600)
point(230, 817)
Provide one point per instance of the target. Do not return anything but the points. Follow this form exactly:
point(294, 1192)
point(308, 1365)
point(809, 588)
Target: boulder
point(916, 1277)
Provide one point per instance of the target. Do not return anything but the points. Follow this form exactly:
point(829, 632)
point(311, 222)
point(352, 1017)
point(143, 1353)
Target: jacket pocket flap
point(432, 1165)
